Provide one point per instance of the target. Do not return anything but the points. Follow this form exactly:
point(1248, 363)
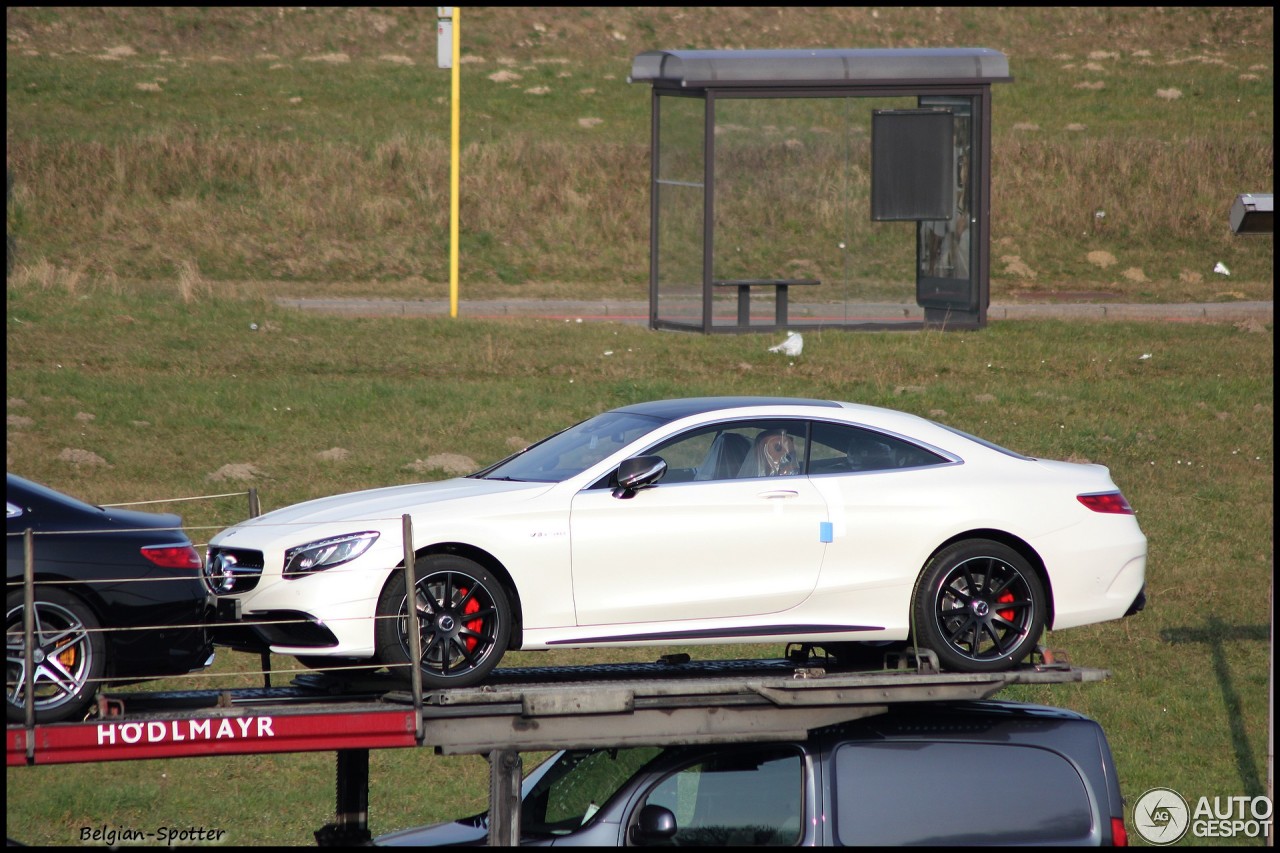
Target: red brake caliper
point(1005, 598)
point(475, 625)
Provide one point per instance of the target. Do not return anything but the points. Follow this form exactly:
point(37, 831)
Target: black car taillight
point(1112, 502)
point(173, 556)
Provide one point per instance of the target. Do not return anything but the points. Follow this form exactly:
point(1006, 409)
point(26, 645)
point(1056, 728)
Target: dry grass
point(45, 276)
point(252, 155)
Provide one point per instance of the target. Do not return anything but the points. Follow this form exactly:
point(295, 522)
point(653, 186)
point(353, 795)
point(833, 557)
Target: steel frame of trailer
point(558, 708)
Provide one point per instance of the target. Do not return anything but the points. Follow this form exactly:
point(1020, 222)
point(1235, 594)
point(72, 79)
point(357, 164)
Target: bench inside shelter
point(781, 288)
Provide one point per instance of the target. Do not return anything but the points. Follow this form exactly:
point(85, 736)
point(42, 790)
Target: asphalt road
point(637, 312)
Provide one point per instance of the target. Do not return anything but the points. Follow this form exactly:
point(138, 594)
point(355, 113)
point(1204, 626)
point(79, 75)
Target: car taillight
point(1112, 502)
point(173, 556)
point(1119, 837)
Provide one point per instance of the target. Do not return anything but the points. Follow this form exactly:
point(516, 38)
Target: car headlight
point(326, 553)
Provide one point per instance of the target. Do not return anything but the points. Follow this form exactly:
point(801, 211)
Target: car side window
point(689, 455)
point(752, 796)
point(840, 449)
point(736, 450)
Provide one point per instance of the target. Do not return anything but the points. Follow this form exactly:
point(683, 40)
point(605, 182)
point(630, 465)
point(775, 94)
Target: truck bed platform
point(529, 708)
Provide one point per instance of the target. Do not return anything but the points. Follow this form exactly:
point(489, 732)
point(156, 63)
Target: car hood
point(468, 832)
point(375, 504)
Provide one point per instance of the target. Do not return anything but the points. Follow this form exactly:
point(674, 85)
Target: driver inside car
point(773, 455)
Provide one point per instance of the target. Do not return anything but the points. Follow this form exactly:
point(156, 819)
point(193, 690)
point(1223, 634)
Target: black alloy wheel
point(980, 606)
point(464, 622)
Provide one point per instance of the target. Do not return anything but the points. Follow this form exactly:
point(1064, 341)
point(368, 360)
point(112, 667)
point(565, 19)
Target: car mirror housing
point(655, 823)
point(638, 472)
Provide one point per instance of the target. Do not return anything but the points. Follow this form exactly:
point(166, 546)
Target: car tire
point(464, 621)
point(70, 657)
point(980, 606)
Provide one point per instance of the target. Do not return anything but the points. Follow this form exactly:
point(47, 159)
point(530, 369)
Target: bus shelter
point(819, 188)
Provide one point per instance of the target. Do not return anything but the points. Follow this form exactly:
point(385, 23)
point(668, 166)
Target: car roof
point(48, 509)
point(876, 417)
point(682, 407)
point(916, 718)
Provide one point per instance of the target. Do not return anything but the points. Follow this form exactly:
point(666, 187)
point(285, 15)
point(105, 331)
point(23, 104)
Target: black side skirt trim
point(721, 634)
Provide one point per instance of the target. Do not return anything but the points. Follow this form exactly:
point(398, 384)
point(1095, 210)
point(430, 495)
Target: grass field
point(177, 169)
point(123, 397)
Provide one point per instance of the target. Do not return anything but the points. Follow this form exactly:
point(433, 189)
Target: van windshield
point(575, 787)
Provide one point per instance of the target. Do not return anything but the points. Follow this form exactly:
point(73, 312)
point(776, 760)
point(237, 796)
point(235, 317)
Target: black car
point(118, 598)
point(922, 773)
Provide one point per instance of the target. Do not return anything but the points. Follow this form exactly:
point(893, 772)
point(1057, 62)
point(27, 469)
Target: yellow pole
point(453, 168)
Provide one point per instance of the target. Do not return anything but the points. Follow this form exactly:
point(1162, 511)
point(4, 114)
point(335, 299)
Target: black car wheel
point(464, 622)
point(980, 606)
point(68, 656)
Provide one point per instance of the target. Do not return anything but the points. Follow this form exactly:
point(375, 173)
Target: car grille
point(229, 571)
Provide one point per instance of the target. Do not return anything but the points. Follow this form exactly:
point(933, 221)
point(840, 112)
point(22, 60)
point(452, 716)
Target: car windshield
point(569, 453)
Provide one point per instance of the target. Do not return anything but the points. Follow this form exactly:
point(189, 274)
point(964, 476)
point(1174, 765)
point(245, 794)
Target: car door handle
point(776, 494)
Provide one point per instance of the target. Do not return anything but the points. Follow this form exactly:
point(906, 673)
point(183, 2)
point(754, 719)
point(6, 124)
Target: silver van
point(923, 773)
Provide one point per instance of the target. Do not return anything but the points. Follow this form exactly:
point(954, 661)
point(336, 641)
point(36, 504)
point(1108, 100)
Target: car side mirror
point(638, 472)
point(655, 823)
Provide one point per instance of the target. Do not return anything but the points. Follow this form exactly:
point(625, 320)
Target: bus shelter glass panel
point(679, 189)
point(944, 247)
point(793, 204)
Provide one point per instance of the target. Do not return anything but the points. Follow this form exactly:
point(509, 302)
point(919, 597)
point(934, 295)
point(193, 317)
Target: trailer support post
point(505, 776)
point(350, 827)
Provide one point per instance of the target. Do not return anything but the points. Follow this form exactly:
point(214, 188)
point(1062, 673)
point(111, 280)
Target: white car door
point(695, 547)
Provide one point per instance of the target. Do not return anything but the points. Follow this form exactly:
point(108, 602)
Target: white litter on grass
point(1144, 356)
point(1221, 268)
point(792, 346)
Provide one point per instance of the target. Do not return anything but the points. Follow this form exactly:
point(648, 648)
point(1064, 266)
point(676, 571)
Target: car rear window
point(957, 793)
point(988, 444)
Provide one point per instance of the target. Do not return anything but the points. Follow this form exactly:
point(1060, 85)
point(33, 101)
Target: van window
point(748, 797)
point(957, 793)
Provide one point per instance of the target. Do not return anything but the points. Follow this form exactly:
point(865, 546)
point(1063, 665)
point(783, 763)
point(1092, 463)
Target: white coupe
point(695, 521)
